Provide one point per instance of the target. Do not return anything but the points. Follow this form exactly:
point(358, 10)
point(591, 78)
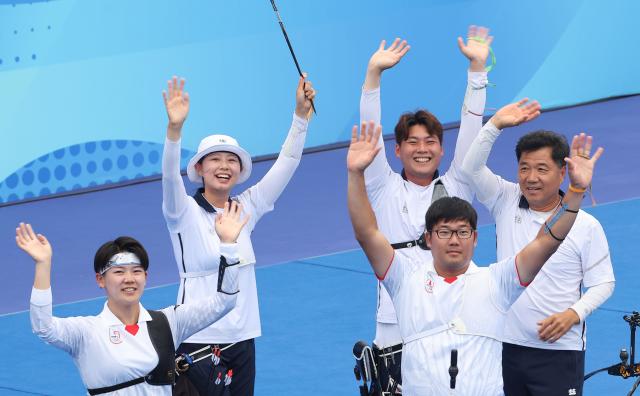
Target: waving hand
point(363, 148)
point(580, 165)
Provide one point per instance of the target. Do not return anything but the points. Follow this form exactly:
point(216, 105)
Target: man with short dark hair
point(401, 200)
point(450, 303)
point(544, 335)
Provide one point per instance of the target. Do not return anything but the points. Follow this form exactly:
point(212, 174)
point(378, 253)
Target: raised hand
point(176, 101)
point(384, 59)
point(229, 224)
point(516, 113)
point(580, 165)
point(35, 245)
point(364, 148)
point(476, 49)
point(304, 95)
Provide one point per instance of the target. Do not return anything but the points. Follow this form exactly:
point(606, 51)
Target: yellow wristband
point(577, 190)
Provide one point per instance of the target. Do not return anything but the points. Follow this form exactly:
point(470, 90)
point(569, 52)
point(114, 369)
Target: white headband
point(120, 259)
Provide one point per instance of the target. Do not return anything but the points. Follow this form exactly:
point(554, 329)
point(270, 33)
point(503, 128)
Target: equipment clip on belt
point(186, 360)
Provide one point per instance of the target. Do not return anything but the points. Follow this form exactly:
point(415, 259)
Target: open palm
point(35, 245)
point(176, 101)
point(516, 113)
point(229, 222)
point(580, 164)
point(384, 59)
point(363, 148)
point(476, 49)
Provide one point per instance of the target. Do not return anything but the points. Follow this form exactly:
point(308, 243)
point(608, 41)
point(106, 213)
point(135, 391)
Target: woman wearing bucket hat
point(219, 165)
point(127, 349)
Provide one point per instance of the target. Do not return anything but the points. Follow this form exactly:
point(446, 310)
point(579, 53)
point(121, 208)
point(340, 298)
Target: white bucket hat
point(215, 143)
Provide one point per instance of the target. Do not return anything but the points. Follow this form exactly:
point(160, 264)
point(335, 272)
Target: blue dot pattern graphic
point(89, 164)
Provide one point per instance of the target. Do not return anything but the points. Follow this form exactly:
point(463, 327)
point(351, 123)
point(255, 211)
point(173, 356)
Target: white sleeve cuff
point(592, 299)
point(41, 297)
point(477, 80)
point(367, 92)
point(172, 142)
point(171, 157)
point(476, 96)
point(230, 252)
point(228, 275)
point(490, 132)
point(294, 143)
point(300, 123)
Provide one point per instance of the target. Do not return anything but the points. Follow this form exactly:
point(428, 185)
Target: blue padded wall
point(79, 74)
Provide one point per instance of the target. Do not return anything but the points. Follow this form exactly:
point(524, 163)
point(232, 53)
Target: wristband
point(565, 208)
point(493, 56)
point(548, 231)
point(576, 190)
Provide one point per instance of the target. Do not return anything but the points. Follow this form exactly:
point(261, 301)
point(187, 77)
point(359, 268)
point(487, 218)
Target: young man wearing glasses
point(401, 200)
point(450, 303)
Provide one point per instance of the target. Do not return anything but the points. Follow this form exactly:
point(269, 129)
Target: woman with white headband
point(219, 165)
point(126, 349)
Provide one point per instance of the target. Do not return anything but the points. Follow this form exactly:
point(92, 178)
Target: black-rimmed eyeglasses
point(463, 233)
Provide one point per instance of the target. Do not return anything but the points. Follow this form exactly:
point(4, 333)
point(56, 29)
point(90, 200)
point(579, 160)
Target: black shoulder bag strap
point(162, 340)
point(439, 191)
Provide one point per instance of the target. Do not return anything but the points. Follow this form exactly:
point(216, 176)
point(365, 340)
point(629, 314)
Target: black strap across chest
point(439, 191)
point(420, 242)
point(164, 372)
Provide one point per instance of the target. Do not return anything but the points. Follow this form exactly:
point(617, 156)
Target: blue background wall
point(81, 80)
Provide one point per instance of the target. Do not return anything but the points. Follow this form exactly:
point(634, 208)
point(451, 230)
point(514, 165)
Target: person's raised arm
point(370, 107)
point(176, 102)
point(381, 60)
point(274, 182)
point(476, 50)
point(474, 166)
point(65, 334)
point(36, 246)
point(580, 169)
point(174, 195)
point(361, 152)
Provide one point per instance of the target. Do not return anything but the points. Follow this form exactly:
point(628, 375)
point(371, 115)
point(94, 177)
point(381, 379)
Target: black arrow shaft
point(286, 37)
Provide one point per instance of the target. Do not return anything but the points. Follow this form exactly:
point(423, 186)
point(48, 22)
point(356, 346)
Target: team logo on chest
point(429, 284)
point(115, 336)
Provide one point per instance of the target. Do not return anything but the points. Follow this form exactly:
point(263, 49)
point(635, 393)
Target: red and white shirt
point(108, 353)
point(436, 315)
point(582, 260)
point(400, 205)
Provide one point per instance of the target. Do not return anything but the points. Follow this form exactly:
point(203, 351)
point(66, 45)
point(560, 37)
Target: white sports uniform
point(437, 315)
point(196, 244)
point(582, 259)
point(400, 205)
point(106, 354)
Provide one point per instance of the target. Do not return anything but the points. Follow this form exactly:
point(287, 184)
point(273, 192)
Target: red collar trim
point(132, 329)
point(451, 279)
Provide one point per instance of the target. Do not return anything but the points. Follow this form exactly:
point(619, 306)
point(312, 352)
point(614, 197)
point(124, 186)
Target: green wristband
point(493, 55)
